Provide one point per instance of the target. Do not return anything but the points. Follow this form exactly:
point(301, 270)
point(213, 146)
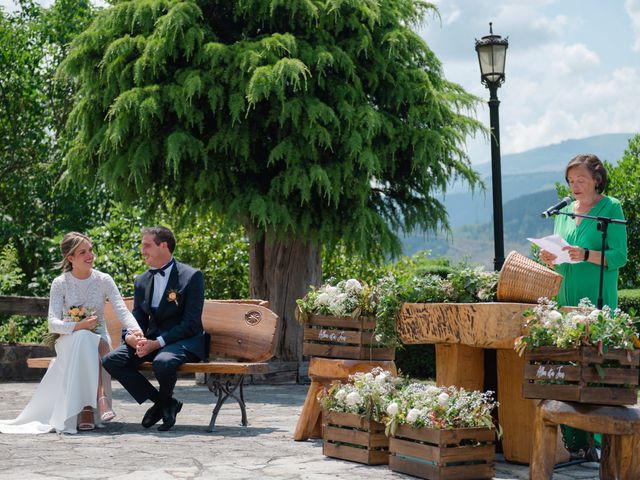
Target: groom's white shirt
point(159, 286)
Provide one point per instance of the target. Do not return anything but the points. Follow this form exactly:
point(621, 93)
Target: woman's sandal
point(84, 424)
point(107, 412)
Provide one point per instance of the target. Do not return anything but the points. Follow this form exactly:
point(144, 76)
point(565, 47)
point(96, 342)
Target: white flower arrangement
point(347, 297)
point(546, 325)
point(420, 405)
point(368, 394)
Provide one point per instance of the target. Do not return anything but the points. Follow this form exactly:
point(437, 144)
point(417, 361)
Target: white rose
point(332, 291)
point(413, 414)
point(368, 376)
point(353, 285)
point(381, 378)
point(341, 394)
point(578, 319)
point(353, 398)
point(323, 300)
point(443, 399)
point(431, 390)
point(594, 314)
point(551, 318)
point(392, 408)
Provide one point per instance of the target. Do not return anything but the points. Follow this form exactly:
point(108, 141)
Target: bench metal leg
point(224, 386)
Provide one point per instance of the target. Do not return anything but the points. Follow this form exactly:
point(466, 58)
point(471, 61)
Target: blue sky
point(573, 66)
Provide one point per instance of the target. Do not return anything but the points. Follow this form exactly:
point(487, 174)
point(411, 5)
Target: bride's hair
point(68, 246)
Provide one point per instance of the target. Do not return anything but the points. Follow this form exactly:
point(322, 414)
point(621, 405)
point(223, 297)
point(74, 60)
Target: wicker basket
point(523, 280)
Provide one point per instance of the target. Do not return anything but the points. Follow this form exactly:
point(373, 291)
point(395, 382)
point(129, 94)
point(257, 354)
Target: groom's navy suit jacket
point(175, 321)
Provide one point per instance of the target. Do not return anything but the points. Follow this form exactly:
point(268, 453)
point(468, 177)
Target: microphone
point(556, 208)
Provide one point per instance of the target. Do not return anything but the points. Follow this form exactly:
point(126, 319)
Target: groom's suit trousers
point(122, 364)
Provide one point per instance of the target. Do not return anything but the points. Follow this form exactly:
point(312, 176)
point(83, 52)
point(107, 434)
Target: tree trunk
point(281, 272)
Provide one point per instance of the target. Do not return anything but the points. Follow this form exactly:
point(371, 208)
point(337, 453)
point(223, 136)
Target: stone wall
point(13, 361)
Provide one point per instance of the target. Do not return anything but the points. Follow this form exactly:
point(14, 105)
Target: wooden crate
point(571, 375)
point(460, 454)
point(343, 337)
point(352, 437)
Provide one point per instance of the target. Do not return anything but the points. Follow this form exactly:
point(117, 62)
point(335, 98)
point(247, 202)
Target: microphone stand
point(603, 225)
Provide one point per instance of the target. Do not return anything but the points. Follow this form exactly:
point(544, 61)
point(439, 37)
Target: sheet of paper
point(554, 244)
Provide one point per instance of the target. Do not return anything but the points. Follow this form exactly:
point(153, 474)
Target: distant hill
point(609, 147)
point(528, 188)
point(527, 172)
point(475, 242)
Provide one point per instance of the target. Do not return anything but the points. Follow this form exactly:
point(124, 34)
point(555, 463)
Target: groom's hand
point(145, 347)
point(133, 338)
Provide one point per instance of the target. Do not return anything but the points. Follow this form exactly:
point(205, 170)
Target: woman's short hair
point(595, 167)
point(161, 234)
point(68, 246)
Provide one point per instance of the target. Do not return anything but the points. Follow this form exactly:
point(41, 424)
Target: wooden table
point(461, 332)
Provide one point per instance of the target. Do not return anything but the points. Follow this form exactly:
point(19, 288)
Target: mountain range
point(528, 188)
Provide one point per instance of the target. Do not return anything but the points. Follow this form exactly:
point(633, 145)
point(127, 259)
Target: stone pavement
point(263, 450)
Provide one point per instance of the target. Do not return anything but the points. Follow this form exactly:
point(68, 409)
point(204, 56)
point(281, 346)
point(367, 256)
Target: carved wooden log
point(484, 325)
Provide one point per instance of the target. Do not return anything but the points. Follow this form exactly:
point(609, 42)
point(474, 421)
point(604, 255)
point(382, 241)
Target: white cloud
point(632, 8)
point(450, 16)
point(576, 107)
point(554, 59)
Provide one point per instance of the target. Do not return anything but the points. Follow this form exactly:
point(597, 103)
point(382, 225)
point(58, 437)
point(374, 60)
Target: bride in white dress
point(74, 393)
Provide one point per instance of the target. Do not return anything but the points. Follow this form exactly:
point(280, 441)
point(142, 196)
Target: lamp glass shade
point(492, 57)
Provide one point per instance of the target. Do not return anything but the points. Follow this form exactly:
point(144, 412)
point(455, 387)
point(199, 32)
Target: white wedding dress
point(71, 381)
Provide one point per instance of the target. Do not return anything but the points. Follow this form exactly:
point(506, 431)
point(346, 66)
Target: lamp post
point(492, 53)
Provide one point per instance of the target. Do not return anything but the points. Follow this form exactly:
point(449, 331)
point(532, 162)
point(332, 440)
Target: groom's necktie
point(162, 273)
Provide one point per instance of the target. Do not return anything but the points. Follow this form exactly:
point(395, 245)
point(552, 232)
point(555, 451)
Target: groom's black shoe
point(153, 415)
point(169, 412)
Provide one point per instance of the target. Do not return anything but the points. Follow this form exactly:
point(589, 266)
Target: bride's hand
point(133, 338)
point(89, 323)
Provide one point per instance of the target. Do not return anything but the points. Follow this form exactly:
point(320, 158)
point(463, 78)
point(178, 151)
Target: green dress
point(583, 279)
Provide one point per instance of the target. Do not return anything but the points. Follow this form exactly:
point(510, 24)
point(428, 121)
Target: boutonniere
point(172, 296)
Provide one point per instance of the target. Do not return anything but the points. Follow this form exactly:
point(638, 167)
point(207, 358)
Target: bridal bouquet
point(546, 325)
point(76, 313)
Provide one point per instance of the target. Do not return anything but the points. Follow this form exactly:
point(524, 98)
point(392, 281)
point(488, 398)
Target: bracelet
point(586, 254)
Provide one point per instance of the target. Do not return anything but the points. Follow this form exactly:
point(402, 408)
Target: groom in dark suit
point(167, 303)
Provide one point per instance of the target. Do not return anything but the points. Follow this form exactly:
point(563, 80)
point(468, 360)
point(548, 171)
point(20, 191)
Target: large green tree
point(624, 185)
point(306, 121)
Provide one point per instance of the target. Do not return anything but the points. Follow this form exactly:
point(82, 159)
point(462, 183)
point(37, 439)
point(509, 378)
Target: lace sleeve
point(126, 319)
point(56, 306)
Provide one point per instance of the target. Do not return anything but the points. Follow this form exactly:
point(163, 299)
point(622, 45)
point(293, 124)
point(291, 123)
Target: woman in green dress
point(587, 179)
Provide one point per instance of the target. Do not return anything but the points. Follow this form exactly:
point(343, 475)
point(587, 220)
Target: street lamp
point(492, 53)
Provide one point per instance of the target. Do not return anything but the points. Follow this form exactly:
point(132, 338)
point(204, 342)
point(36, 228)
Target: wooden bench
point(242, 334)
point(619, 426)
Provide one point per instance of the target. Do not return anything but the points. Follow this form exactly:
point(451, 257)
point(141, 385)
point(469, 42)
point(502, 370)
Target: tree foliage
point(34, 105)
point(318, 120)
point(625, 187)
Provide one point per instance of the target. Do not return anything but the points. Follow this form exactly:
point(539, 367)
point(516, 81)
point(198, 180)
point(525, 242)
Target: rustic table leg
point(460, 365)
point(309, 415)
point(543, 454)
point(620, 457)
point(516, 415)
